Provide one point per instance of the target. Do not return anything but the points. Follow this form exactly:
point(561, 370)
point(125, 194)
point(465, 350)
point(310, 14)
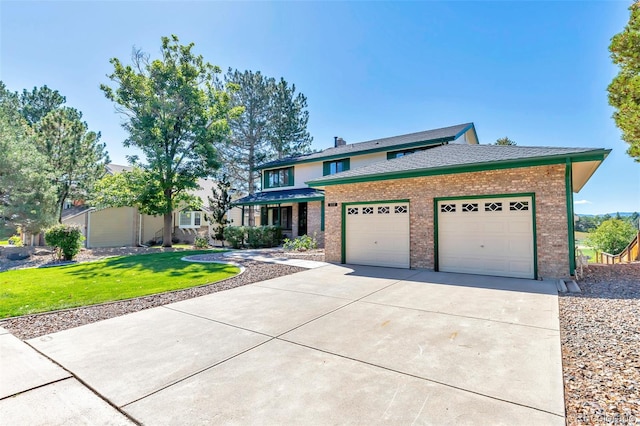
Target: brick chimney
point(337, 141)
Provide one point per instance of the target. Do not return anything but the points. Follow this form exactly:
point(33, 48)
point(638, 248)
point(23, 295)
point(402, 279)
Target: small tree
point(66, 239)
point(219, 205)
point(505, 141)
point(612, 236)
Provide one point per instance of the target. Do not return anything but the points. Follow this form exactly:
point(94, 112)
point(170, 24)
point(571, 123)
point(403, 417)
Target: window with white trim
point(190, 219)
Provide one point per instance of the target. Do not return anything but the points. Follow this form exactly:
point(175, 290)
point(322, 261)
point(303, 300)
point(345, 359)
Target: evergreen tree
point(624, 90)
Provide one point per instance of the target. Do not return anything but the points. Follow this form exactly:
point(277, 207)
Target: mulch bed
point(600, 335)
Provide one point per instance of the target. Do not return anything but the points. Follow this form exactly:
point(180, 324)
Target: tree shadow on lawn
point(168, 264)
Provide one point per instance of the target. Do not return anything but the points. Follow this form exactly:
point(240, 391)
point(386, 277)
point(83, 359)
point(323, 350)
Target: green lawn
point(4, 242)
point(28, 291)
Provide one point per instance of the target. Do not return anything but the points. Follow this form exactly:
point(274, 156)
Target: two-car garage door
point(487, 236)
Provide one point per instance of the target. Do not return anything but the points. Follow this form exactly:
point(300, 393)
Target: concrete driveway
point(332, 345)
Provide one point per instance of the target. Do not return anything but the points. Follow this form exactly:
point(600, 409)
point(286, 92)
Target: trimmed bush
point(65, 239)
point(15, 241)
point(235, 236)
point(302, 243)
point(201, 243)
point(253, 236)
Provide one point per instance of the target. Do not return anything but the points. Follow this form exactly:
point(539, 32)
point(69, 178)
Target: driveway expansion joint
point(420, 378)
point(460, 316)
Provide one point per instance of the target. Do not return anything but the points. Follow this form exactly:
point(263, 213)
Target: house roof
point(445, 134)
point(116, 168)
point(278, 197)
point(74, 211)
point(459, 158)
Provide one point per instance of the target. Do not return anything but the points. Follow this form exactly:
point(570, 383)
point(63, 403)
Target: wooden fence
point(628, 255)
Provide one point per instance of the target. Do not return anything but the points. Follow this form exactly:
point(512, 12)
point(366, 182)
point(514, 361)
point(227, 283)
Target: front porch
point(297, 211)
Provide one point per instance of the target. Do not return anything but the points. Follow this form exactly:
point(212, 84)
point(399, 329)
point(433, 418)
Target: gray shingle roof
point(284, 196)
point(453, 155)
point(443, 134)
point(117, 168)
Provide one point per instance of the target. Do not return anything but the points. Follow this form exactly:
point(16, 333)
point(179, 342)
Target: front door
point(302, 219)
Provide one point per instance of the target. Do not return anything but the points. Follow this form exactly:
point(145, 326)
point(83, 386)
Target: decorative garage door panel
point(377, 234)
point(486, 236)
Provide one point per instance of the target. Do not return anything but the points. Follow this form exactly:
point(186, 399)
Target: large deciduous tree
point(624, 90)
point(175, 112)
point(76, 159)
point(612, 236)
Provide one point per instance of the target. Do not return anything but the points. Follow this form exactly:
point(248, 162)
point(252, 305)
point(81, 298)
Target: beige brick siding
point(314, 217)
point(547, 182)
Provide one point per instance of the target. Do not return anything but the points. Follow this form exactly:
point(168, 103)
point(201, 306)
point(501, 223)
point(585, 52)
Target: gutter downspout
point(88, 242)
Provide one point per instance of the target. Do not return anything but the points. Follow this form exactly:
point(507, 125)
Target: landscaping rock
point(600, 336)
point(18, 256)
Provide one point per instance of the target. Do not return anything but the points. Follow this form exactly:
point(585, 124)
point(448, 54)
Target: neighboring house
point(452, 205)
point(126, 226)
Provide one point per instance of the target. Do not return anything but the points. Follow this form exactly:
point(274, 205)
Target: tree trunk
point(251, 184)
point(167, 230)
point(168, 219)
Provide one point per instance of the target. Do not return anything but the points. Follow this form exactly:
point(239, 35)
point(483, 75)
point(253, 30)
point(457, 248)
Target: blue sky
point(534, 71)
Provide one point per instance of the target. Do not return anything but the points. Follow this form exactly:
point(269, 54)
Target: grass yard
point(35, 290)
point(4, 242)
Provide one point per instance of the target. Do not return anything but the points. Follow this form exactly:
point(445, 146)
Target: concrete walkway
point(330, 345)
point(273, 256)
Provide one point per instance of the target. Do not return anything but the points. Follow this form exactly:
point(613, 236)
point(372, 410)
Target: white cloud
point(582, 202)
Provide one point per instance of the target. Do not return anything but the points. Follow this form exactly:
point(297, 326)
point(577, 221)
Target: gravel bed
point(600, 336)
point(31, 326)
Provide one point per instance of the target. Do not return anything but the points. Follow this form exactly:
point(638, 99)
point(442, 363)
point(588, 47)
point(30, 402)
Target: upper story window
point(277, 178)
point(190, 219)
point(333, 167)
point(398, 154)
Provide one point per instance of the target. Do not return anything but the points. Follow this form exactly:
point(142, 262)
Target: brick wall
point(547, 182)
point(314, 217)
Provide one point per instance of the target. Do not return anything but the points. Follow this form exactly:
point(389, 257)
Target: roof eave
point(283, 201)
point(596, 155)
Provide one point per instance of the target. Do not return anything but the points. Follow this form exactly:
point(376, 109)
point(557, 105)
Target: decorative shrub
point(15, 241)
point(302, 243)
point(201, 243)
point(235, 236)
point(272, 236)
point(255, 236)
point(65, 239)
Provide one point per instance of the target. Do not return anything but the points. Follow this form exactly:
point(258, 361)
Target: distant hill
point(623, 214)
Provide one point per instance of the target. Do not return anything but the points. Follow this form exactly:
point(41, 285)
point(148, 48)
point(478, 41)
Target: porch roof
point(299, 195)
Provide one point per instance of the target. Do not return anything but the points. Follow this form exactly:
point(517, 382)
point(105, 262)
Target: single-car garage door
point(377, 234)
point(488, 236)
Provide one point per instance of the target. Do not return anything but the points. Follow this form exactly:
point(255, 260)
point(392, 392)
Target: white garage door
point(377, 234)
point(486, 236)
